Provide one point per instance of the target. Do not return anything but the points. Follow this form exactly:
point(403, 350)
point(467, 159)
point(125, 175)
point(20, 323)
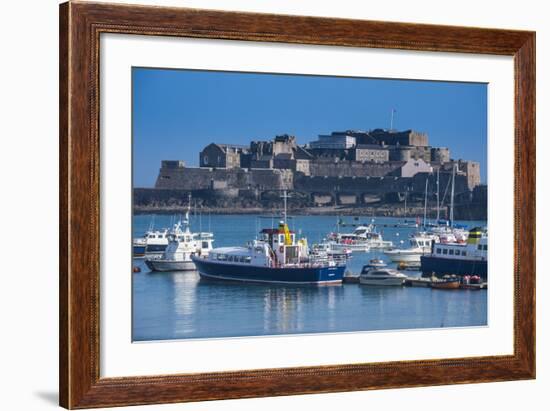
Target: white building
point(335, 140)
point(412, 167)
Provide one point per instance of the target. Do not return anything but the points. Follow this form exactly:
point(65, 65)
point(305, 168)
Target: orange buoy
point(136, 269)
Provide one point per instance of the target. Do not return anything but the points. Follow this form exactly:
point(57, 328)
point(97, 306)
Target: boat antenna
point(437, 195)
point(393, 111)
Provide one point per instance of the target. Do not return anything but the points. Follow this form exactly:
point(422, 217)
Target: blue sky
point(178, 112)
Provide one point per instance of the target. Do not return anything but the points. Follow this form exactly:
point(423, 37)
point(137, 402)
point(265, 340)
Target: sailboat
point(446, 231)
point(420, 243)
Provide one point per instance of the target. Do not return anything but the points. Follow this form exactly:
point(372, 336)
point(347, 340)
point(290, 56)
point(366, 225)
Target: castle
point(344, 167)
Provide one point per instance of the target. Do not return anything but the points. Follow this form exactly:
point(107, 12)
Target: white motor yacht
point(182, 245)
point(381, 276)
point(362, 239)
point(420, 244)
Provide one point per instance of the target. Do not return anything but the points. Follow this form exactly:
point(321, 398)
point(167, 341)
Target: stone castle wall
point(206, 178)
point(192, 179)
point(331, 168)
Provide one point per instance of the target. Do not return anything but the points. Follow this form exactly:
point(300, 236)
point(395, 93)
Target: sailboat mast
point(437, 196)
point(452, 214)
point(425, 202)
point(186, 221)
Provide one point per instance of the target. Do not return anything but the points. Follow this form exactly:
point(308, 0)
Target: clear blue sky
point(178, 112)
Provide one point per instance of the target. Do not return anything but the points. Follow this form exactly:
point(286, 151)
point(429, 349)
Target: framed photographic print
point(258, 205)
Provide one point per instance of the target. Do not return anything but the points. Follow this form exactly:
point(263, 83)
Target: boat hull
point(441, 266)
point(286, 275)
point(445, 285)
point(139, 250)
point(382, 281)
point(167, 265)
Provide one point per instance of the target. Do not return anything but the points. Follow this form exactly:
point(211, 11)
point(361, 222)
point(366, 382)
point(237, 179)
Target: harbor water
point(179, 305)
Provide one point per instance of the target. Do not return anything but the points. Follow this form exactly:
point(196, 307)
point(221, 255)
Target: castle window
point(205, 159)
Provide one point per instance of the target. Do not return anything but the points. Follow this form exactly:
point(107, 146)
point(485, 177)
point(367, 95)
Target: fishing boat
point(458, 258)
point(420, 244)
point(381, 276)
point(276, 257)
point(182, 245)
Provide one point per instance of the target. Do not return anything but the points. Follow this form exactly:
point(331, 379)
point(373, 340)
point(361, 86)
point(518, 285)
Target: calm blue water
point(180, 305)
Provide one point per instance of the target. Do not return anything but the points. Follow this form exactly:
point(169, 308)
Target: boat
point(458, 258)
point(276, 257)
point(418, 282)
point(420, 244)
point(181, 246)
point(362, 239)
point(332, 249)
point(152, 242)
point(381, 276)
point(446, 283)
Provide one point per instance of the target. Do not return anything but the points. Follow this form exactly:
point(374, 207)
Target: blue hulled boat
point(276, 257)
point(458, 258)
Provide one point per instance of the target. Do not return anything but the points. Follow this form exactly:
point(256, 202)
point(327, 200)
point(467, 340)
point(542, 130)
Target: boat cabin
point(285, 248)
point(475, 248)
point(421, 242)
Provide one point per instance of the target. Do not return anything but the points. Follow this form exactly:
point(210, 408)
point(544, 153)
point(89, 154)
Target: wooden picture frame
point(80, 27)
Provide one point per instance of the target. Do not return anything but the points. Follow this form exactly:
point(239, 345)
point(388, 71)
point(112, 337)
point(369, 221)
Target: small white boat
point(362, 239)
point(381, 276)
point(177, 256)
point(349, 246)
point(182, 245)
point(332, 249)
point(420, 244)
